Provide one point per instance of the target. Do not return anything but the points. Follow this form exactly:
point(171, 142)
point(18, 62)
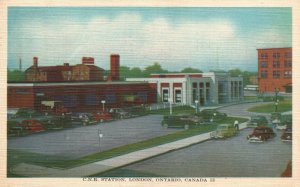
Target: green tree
point(15, 75)
point(124, 72)
point(191, 70)
point(155, 68)
point(136, 72)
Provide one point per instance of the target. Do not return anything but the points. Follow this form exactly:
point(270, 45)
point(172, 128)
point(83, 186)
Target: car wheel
point(165, 125)
point(186, 127)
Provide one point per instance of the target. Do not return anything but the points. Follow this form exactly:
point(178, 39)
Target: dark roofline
point(274, 48)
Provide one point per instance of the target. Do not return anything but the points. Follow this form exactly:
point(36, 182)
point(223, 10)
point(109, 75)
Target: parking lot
point(233, 157)
point(84, 140)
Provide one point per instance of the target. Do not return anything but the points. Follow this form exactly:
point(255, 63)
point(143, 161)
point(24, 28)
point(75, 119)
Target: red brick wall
point(20, 97)
point(277, 55)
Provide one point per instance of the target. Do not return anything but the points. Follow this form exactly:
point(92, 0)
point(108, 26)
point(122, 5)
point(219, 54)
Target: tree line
point(136, 72)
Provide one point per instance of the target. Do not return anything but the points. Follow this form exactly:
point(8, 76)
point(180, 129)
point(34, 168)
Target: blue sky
point(203, 38)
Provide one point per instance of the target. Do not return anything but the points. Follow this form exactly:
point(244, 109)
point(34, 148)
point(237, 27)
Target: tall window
point(264, 74)
point(178, 96)
point(287, 74)
point(287, 63)
point(264, 64)
point(264, 55)
point(276, 64)
point(276, 55)
point(276, 74)
point(165, 95)
point(288, 54)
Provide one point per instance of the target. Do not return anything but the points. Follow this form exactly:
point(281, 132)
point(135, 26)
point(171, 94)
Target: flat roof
point(274, 48)
point(73, 83)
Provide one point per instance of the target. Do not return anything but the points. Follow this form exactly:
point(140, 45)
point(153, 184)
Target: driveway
point(81, 141)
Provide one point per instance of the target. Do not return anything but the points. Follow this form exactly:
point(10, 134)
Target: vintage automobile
point(56, 122)
point(261, 134)
point(287, 135)
point(83, 118)
point(102, 116)
point(28, 113)
point(33, 125)
point(119, 113)
point(181, 121)
point(286, 120)
point(256, 121)
point(211, 115)
point(14, 128)
point(224, 131)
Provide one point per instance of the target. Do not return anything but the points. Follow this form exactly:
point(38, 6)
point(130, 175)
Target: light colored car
point(256, 121)
point(224, 131)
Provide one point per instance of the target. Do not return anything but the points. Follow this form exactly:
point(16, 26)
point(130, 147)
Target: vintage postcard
point(156, 93)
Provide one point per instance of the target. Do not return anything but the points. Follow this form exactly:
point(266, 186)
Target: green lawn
point(283, 106)
point(15, 157)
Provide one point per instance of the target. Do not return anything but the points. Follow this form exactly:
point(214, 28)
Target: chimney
point(115, 67)
point(87, 60)
point(35, 61)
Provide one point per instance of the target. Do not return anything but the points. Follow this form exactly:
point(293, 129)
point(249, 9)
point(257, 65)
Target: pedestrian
point(236, 125)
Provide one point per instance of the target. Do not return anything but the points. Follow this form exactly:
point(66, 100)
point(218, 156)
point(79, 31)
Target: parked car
point(211, 115)
point(56, 122)
point(287, 135)
point(181, 121)
point(83, 118)
point(119, 113)
point(33, 125)
point(28, 113)
point(256, 121)
point(286, 120)
point(14, 128)
point(102, 116)
point(136, 110)
point(224, 131)
point(261, 134)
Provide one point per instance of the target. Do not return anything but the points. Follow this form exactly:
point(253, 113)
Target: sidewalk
point(29, 170)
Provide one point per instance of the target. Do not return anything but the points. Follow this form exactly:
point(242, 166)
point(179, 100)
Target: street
point(233, 157)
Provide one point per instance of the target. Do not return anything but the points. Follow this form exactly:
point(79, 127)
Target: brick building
point(86, 71)
point(275, 69)
point(80, 96)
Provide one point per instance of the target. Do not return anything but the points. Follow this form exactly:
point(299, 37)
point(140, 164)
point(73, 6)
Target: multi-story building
point(86, 71)
point(275, 69)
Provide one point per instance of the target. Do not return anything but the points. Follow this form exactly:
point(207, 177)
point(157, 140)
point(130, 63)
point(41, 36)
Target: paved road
point(81, 141)
point(234, 157)
point(241, 109)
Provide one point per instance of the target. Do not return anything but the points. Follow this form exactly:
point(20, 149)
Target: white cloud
point(208, 44)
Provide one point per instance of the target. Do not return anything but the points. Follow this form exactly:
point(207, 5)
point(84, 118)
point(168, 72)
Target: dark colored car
point(261, 134)
point(181, 121)
point(211, 115)
point(28, 113)
point(15, 128)
point(256, 121)
point(287, 135)
point(56, 122)
point(119, 113)
point(136, 110)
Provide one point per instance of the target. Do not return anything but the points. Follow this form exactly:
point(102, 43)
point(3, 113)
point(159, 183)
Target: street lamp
point(276, 105)
point(170, 101)
point(196, 103)
point(103, 102)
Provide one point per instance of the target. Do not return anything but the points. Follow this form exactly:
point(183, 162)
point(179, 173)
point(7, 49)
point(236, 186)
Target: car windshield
point(259, 131)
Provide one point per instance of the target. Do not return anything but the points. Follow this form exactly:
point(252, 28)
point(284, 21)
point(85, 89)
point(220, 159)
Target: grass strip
point(283, 106)
point(47, 161)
